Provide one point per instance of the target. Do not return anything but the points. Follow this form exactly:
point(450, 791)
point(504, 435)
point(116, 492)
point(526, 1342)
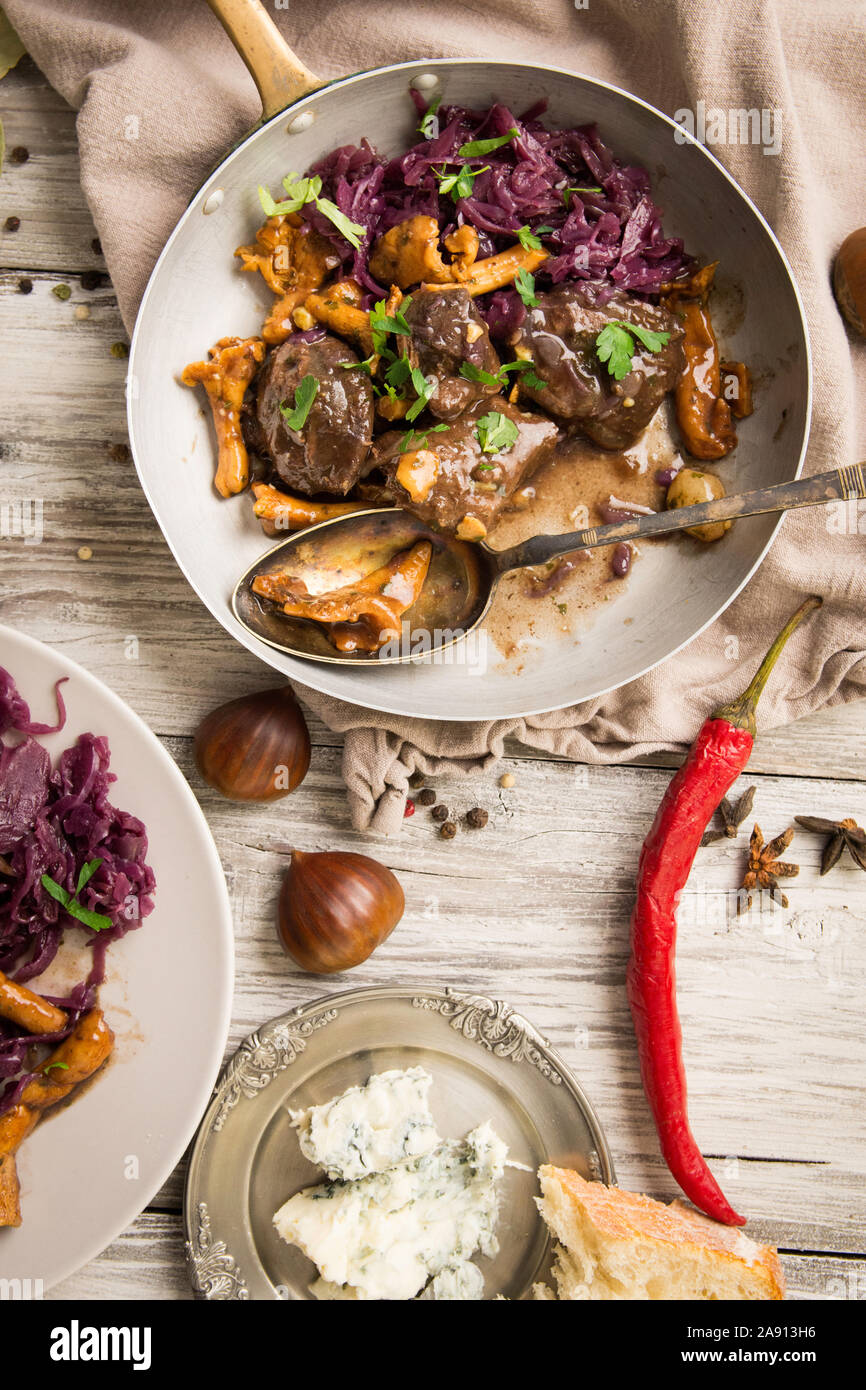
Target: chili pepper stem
point(741, 711)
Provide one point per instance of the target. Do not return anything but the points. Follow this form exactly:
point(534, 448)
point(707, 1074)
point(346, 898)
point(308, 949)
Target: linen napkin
point(164, 71)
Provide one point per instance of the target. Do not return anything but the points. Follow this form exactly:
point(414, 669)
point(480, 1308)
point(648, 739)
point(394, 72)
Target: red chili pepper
point(713, 764)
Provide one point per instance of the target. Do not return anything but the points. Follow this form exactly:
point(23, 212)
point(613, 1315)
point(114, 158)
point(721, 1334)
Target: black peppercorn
point(91, 279)
point(19, 155)
point(427, 797)
point(119, 453)
point(96, 246)
point(25, 285)
point(448, 830)
point(12, 224)
point(417, 780)
point(440, 813)
point(477, 818)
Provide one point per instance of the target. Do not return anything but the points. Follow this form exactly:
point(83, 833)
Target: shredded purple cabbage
point(55, 821)
point(613, 238)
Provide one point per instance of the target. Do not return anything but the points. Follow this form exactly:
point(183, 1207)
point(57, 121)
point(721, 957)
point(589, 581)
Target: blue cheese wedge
point(371, 1128)
point(386, 1235)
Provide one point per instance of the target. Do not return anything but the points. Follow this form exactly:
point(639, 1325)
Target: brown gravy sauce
point(561, 600)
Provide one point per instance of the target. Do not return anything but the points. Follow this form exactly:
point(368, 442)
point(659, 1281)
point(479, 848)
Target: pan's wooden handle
point(280, 76)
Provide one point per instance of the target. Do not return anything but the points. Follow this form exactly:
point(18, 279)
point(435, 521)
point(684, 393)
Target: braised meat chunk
point(448, 332)
point(463, 476)
point(327, 450)
point(559, 335)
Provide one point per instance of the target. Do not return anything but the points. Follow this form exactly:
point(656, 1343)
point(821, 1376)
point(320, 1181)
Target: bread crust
point(620, 1220)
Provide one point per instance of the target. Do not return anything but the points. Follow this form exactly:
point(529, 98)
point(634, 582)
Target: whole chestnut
point(335, 908)
point(849, 279)
point(256, 748)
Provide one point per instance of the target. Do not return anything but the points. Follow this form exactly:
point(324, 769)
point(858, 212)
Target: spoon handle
point(842, 483)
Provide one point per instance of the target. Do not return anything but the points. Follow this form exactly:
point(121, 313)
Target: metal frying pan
point(197, 295)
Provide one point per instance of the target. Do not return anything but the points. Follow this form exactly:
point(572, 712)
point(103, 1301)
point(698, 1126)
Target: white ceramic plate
point(198, 293)
point(88, 1170)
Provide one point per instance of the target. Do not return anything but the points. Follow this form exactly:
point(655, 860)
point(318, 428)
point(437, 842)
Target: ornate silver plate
point(487, 1063)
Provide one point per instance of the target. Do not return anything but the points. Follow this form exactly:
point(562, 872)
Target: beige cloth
point(164, 69)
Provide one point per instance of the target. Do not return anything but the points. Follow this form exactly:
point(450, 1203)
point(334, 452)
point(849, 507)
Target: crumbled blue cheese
point(384, 1236)
point(371, 1128)
point(461, 1281)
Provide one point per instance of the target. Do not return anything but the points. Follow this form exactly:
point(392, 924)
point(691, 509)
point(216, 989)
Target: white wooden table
point(534, 908)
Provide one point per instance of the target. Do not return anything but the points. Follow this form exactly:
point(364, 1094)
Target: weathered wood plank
point(56, 227)
point(146, 1262)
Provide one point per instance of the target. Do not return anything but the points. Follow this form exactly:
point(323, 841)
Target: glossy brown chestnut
point(336, 908)
point(256, 748)
point(849, 280)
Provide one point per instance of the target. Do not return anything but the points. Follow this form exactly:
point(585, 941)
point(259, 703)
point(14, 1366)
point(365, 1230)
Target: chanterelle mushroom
point(289, 254)
point(409, 253)
point(225, 377)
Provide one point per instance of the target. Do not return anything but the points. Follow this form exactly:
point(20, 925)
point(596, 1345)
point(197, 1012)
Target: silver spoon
point(463, 575)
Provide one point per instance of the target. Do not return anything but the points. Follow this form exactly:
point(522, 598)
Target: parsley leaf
point(296, 417)
point(615, 345)
point(477, 147)
point(300, 191)
point(366, 366)
point(651, 340)
point(473, 373)
point(354, 232)
point(495, 432)
point(428, 126)
point(307, 190)
point(424, 388)
point(566, 192)
point(381, 324)
point(86, 874)
point(97, 921)
point(524, 283)
point(398, 372)
point(528, 239)
point(459, 185)
point(410, 436)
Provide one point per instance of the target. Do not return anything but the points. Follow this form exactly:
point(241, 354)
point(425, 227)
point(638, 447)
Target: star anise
point(765, 868)
point(733, 814)
point(843, 834)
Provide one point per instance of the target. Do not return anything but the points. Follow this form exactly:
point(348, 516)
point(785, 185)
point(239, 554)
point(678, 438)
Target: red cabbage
point(55, 822)
point(612, 239)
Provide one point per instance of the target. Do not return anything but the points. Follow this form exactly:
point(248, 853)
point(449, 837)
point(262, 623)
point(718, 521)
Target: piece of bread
point(615, 1244)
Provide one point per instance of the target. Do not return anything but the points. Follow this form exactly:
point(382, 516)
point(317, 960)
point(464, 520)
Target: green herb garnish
point(410, 436)
point(615, 345)
point(296, 416)
point(366, 366)
point(495, 432)
point(473, 373)
point(428, 126)
point(528, 239)
point(62, 1066)
point(524, 283)
point(398, 372)
point(567, 191)
point(470, 372)
point(97, 921)
point(459, 185)
point(477, 147)
point(308, 190)
point(381, 324)
point(424, 388)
